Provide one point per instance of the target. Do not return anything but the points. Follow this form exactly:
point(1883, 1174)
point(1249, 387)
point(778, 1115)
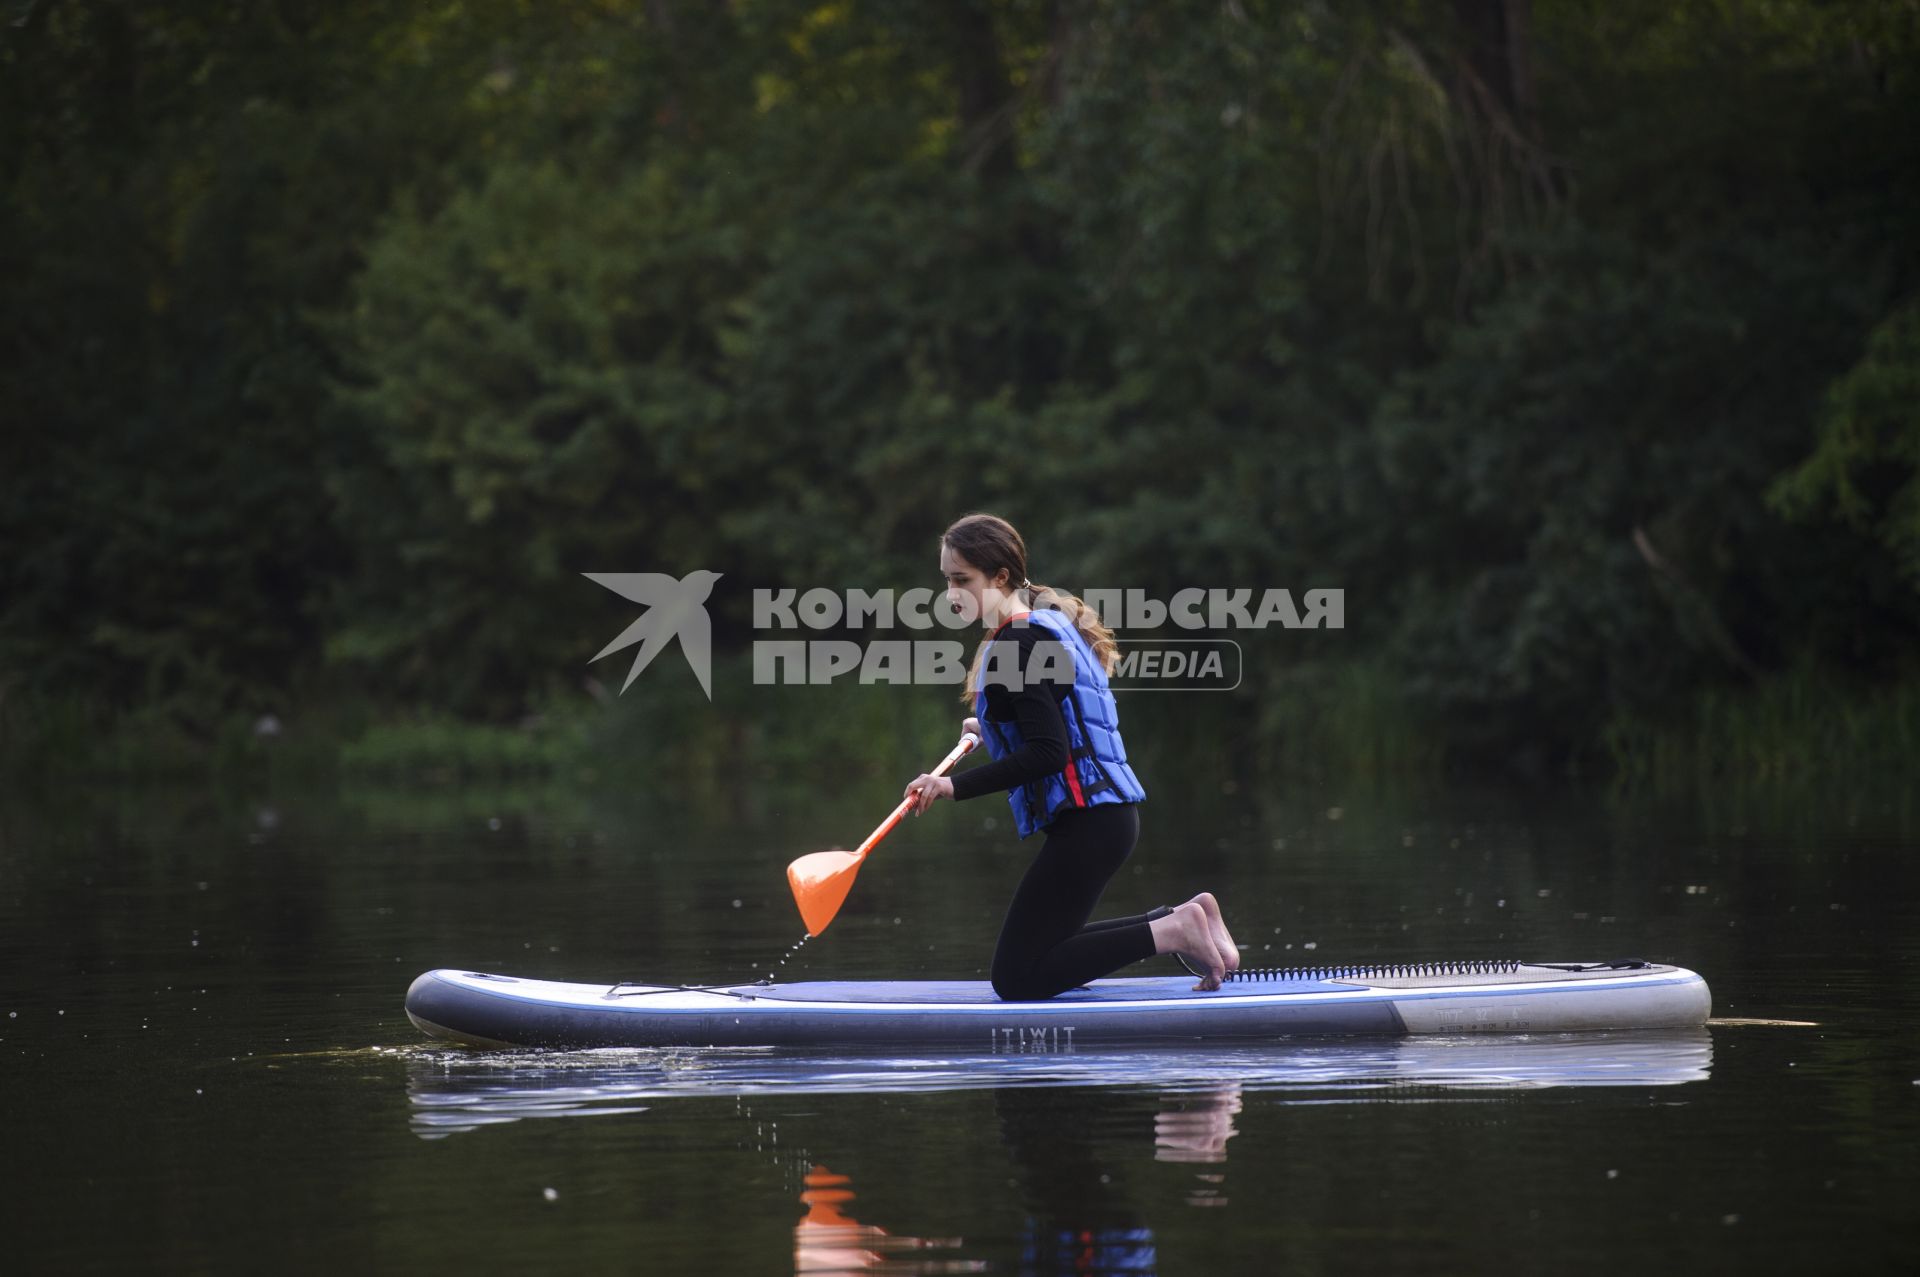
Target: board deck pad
point(487, 1009)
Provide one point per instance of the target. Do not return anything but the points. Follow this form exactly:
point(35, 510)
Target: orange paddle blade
point(820, 885)
point(821, 881)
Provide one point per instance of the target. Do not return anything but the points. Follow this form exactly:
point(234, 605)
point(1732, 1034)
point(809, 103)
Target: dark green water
point(207, 1067)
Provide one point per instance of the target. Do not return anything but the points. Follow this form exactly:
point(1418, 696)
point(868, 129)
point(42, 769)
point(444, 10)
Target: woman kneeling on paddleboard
point(1038, 687)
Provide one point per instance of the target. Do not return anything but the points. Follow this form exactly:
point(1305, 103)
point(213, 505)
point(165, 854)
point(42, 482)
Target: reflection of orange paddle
point(828, 1241)
point(821, 881)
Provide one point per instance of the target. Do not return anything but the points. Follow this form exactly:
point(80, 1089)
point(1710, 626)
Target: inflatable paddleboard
point(482, 1009)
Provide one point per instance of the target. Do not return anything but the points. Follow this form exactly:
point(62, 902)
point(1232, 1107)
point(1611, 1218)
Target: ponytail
point(1075, 609)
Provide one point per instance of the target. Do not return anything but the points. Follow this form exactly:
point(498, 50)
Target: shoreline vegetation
point(1803, 726)
point(1578, 345)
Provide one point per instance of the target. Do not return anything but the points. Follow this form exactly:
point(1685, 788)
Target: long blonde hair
point(990, 543)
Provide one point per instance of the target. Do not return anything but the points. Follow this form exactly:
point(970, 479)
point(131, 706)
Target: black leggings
point(1046, 944)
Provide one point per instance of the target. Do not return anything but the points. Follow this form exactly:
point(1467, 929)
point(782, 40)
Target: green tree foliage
point(183, 184)
point(1866, 466)
point(543, 372)
point(341, 341)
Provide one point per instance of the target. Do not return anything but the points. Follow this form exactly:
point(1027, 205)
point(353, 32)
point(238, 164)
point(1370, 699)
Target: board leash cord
point(1413, 970)
point(1390, 971)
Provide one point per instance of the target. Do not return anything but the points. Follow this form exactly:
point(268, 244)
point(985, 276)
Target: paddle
point(820, 881)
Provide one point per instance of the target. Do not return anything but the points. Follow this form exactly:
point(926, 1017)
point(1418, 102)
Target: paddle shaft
point(967, 742)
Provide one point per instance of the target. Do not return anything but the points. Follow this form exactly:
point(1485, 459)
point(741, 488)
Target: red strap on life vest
point(1073, 780)
point(1004, 624)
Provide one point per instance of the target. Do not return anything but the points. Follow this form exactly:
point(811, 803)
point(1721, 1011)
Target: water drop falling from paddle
point(789, 953)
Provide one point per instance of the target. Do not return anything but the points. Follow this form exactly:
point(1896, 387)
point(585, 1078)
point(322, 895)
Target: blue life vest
point(1097, 770)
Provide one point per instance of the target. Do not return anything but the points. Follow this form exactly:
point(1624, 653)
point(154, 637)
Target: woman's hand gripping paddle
point(821, 881)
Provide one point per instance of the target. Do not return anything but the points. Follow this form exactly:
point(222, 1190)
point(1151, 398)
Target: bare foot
point(1187, 932)
point(1222, 939)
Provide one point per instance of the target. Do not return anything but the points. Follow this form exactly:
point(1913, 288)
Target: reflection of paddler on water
point(1081, 1220)
point(1081, 1201)
point(827, 1241)
point(1194, 1127)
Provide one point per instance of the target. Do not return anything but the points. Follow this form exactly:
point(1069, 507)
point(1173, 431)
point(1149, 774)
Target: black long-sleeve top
point(1034, 707)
